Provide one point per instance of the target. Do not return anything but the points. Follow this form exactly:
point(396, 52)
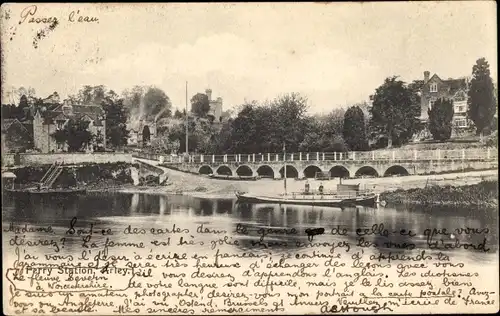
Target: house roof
point(92, 111)
point(8, 123)
point(454, 85)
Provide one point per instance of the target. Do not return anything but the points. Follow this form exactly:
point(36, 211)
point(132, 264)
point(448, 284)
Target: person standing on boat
point(321, 188)
point(306, 189)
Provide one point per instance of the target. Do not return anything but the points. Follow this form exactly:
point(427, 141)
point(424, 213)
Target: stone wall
point(73, 158)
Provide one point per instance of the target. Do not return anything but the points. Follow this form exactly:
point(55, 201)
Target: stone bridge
point(347, 165)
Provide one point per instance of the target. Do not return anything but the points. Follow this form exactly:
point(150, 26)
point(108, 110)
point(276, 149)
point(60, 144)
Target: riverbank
point(483, 194)
point(204, 187)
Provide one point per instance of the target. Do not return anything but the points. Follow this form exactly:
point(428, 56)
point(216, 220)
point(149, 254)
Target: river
point(117, 211)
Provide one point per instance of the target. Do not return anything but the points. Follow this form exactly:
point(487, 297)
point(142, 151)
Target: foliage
point(75, 134)
point(395, 112)
point(157, 103)
point(163, 144)
point(481, 101)
point(354, 129)
point(483, 193)
point(23, 102)
point(11, 111)
point(116, 119)
point(178, 114)
point(440, 119)
point(200, 104)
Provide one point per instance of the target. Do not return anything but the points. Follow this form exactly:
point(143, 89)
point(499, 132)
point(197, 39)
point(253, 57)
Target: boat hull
point(366, 200)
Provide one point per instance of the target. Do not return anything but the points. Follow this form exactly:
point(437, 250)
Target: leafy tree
point(440, 119)
point(395, 112)
point(178, 114)
point(157, 103)
point(75, 134)
point(289, 110)
point(116, 118)
point(93, 95)
point(200, 104)
point(481, 101)
point(178, 133)
point(23, 102)
point(354, 129)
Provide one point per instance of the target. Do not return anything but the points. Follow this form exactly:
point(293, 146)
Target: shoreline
point(198, 186)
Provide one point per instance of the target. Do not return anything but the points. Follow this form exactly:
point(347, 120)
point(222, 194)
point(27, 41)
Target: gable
point(460, 95)
point(15, 127)
point(435, 79)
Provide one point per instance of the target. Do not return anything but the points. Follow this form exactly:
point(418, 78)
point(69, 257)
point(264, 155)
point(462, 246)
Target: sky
point(335, 54)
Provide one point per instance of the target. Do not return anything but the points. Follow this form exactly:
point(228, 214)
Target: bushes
point(484, 193)
point(86, 174)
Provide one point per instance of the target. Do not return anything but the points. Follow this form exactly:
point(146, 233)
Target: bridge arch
point(366, 171)
point(265, 171)
point(224, 170)
point(310, 171)
point(291, 172)
point(396, 170)
point(205, 169)
point(339, 172)
point(244, 170)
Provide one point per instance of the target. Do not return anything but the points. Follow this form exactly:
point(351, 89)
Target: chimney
point(208, 92)
point(426, 76)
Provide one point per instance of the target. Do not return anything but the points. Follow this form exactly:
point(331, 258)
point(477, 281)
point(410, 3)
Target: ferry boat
point(314, 199)
point(346, 194)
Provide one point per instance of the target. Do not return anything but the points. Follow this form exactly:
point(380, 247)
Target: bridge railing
point(379, 155)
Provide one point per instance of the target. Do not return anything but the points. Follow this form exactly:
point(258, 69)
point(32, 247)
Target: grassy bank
point(484, 193)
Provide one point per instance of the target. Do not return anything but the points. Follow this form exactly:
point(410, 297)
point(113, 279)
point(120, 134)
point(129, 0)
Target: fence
point(379, 155)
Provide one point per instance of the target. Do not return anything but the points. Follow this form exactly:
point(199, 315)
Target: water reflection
point(124, 209)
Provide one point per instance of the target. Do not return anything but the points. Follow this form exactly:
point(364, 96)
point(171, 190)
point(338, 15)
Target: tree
point(75, 134)
point(178, 114)
point(157, 103)
point(354, 129)
point(116, 118)
point(200, 105)
point(395, 112)
point(440, 119)
point(481, 101)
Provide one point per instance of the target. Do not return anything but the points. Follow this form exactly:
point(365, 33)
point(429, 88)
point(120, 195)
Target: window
point(460, 107)
point(461, 123)
point(434, 87)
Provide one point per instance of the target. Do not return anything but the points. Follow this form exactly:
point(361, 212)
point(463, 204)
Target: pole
point(187, 120)
point(284, 160)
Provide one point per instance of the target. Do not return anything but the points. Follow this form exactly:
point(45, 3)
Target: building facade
point(434, 88)
point(52, 117)
point(215, 111)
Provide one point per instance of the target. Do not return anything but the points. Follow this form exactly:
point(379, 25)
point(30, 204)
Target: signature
point(29, 15)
